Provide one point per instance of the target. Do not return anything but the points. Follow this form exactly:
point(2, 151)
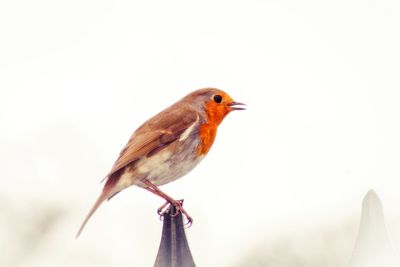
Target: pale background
point(284, 180)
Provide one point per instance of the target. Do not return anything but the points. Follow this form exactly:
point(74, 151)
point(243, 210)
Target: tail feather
point(103, 196)
point(109, 190)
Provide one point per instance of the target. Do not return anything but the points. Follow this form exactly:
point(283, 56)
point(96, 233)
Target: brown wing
point(154, 135)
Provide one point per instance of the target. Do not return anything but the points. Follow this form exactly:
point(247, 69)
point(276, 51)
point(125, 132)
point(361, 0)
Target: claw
point(178, 207)
point(176, 213)
point(160, 210)
point(178, 204)
point(189, 222)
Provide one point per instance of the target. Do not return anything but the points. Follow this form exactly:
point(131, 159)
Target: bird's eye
point(218, 98)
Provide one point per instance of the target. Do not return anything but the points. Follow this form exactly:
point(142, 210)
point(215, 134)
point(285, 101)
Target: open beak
point(233, 106)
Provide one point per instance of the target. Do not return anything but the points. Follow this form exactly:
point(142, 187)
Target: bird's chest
point(172, 162)
point(207, 133)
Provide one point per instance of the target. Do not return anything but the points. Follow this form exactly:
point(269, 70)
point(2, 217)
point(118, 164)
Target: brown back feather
point(154, 135)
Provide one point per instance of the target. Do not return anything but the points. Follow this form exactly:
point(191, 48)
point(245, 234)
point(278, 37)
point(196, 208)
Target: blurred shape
point(303, 246)
point(24, 228)
point(174, 249)
point(373, 247)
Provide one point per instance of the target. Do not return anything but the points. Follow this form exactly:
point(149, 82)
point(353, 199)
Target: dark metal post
point(174, 249)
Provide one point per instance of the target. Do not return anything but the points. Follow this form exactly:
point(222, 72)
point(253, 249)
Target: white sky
point(321, 80)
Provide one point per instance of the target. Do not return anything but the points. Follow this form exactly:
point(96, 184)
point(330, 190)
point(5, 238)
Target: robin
point(168, 146)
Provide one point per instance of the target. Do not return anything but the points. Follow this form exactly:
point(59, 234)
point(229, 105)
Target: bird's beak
point(233, 105)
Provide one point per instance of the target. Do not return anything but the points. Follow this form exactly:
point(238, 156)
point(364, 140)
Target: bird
point(168, 146)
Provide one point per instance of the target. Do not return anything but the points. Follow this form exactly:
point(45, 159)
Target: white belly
point(166, 166)
point(156, 165)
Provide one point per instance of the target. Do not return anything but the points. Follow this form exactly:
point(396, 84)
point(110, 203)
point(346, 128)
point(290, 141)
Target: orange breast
point(207, 137)
point(215, 114)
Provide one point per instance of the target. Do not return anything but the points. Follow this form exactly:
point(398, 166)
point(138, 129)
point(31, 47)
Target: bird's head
point(216, 103)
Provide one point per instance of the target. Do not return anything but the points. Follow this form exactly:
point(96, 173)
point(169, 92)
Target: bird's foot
point(161, 210)
point(178, 204)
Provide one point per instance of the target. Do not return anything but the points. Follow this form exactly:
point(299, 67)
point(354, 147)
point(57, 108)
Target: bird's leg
point(160, 209)
point(169, 200)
